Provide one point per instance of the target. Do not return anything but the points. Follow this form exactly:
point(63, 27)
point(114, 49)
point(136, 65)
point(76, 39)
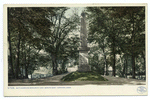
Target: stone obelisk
point(83, 51)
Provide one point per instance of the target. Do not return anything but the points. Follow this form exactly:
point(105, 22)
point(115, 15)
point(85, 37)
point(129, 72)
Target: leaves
point(116, 31)
point(43, 33)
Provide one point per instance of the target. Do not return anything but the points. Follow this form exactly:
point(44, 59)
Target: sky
point(69, 12)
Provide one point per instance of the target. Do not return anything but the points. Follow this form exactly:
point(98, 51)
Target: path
point(55, 80)
point(41, 81)
point(123, 81)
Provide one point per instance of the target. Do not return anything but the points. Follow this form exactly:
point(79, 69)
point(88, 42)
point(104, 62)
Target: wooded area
point(44, 36)
point(35, 30)
point(119, 33)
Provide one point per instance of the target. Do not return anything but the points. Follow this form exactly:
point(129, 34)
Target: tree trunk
point(9, 40)
point(124, 69)
point(11, 62)
point(28, 62)
point(18, 56)
point(113, 49)
point(22, 72)
point(114, 61)
point(114, 57)
point(143, 56)
point(133, 66)
point(63, 65)
point(55, 71)
point(106, 65)
point(126, 63)
point(26, 68)
point(22, 59)
point(133, 56)
point(31, 74)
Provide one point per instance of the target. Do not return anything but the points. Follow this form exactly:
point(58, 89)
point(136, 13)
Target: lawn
point(83, 76)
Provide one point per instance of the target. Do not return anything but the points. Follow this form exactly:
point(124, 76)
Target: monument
point(83, 50)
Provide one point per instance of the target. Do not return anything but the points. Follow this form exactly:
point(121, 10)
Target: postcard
point(75, 49)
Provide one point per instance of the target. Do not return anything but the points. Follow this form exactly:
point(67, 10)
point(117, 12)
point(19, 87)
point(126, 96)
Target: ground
point(83, 76)
point(56, 80)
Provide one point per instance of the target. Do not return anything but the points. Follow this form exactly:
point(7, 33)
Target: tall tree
point(136, 19)
point(121, 28)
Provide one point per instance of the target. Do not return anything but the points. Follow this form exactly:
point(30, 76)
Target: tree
point(136, 19)
point(20, 31)
point(97, 31)
point(62, 26)
point(102, 30)
point(120, 31)
point(35, 30)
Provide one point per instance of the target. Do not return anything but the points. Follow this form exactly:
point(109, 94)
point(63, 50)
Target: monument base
point(84, 68)
point(83, 60)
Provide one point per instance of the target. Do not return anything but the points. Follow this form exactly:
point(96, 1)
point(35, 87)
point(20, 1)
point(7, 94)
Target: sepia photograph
point(76, 46)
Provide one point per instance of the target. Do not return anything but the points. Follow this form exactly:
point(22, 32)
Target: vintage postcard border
point(69, 90)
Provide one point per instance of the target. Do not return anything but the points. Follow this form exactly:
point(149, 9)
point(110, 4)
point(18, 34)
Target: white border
point(66, 1)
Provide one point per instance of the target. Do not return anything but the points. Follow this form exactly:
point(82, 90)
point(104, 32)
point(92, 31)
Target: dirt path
point(41, 81)
point(56, 80)
point(123, 81)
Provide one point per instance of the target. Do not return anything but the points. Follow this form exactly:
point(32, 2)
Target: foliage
point(117, 32)
point(40, 37)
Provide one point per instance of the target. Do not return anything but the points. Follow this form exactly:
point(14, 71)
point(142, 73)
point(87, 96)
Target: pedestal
point(83, 60)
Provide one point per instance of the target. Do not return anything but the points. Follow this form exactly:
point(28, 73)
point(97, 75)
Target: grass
point(83, 76)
